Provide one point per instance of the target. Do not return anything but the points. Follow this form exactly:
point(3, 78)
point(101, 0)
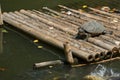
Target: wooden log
point(83, 13)
point(47, 63)
point(55, 20)
point(80, 65)
point(1, 34)
point(68, 53)
point(73, 19)
point(95, 54)
point(101, 51)
point(63, 28)
point(42, 26)
point(21, 20)
point(115, 53)
point(114, 37)
point(111, 21)
point(111, 48)
point(117, 33)
point(80, 44)
point(46, 38)
point(110, 39)
point(1, 19)
point(90, 16)
point(103, 12)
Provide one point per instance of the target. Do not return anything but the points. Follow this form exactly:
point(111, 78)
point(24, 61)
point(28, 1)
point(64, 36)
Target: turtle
point(91, 29)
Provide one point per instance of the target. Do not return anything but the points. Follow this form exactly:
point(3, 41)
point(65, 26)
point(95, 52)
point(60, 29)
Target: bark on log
point(103, 12)
point(55, 20)
point(95, 53)
point(68, 53)
point(67, 29)
point(1, 18)
point(94, 17)
point(47, 63)
point(83, 13)
point(103, 45)
point(102, 52)
point(110, 39)
point(65, 16)
point(79, 65)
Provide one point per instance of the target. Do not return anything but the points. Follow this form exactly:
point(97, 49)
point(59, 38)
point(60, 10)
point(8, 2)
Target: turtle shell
point(93, 27)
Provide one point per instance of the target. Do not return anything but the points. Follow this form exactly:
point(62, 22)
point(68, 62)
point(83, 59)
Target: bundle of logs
point(60, 29)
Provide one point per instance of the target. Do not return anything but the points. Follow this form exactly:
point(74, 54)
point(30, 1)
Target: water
point(105, 72)
point(20, 52)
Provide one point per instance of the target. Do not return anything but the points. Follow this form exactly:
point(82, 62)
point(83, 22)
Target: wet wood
point(49, 22)
point(59, 28)
point(83, 13)
point(104, 61)
point(103, 12)
point(1, 19)
point(45, 37)
point(53, 18)
point(88, 17)
point(103, 45)
point(71, 19)
point(95, 54)
point(68, 53)
point(47, 63)
point(110, 39)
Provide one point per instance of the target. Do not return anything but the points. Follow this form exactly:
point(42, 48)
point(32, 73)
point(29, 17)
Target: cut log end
point(90, 58)
point(115, 51)
point(47, 63)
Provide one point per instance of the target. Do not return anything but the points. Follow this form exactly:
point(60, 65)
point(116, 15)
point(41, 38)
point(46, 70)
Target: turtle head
point(107, 32)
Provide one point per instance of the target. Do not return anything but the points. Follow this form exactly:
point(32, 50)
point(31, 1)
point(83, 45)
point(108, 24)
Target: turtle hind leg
point(81, 36)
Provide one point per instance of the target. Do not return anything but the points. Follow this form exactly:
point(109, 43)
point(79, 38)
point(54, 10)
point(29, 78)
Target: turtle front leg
point(87, 36)
point(82, 36)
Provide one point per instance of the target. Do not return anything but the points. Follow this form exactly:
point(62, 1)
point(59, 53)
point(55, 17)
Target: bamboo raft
point(57, 28)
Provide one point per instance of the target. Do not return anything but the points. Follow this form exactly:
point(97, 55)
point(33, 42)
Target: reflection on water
point(1, 40)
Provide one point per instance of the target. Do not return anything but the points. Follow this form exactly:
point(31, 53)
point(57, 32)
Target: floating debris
point(2, 69)
point(40, 47)
point(50, 66)
point(84, 6)
point(4, 31)
point(36, 40)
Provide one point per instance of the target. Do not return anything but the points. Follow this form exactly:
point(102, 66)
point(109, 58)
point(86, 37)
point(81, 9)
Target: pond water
point(20, 52)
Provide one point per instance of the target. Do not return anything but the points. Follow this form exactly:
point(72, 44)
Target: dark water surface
point(20, 53)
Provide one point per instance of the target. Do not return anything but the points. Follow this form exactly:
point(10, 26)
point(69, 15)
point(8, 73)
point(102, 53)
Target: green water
point(20, 53)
